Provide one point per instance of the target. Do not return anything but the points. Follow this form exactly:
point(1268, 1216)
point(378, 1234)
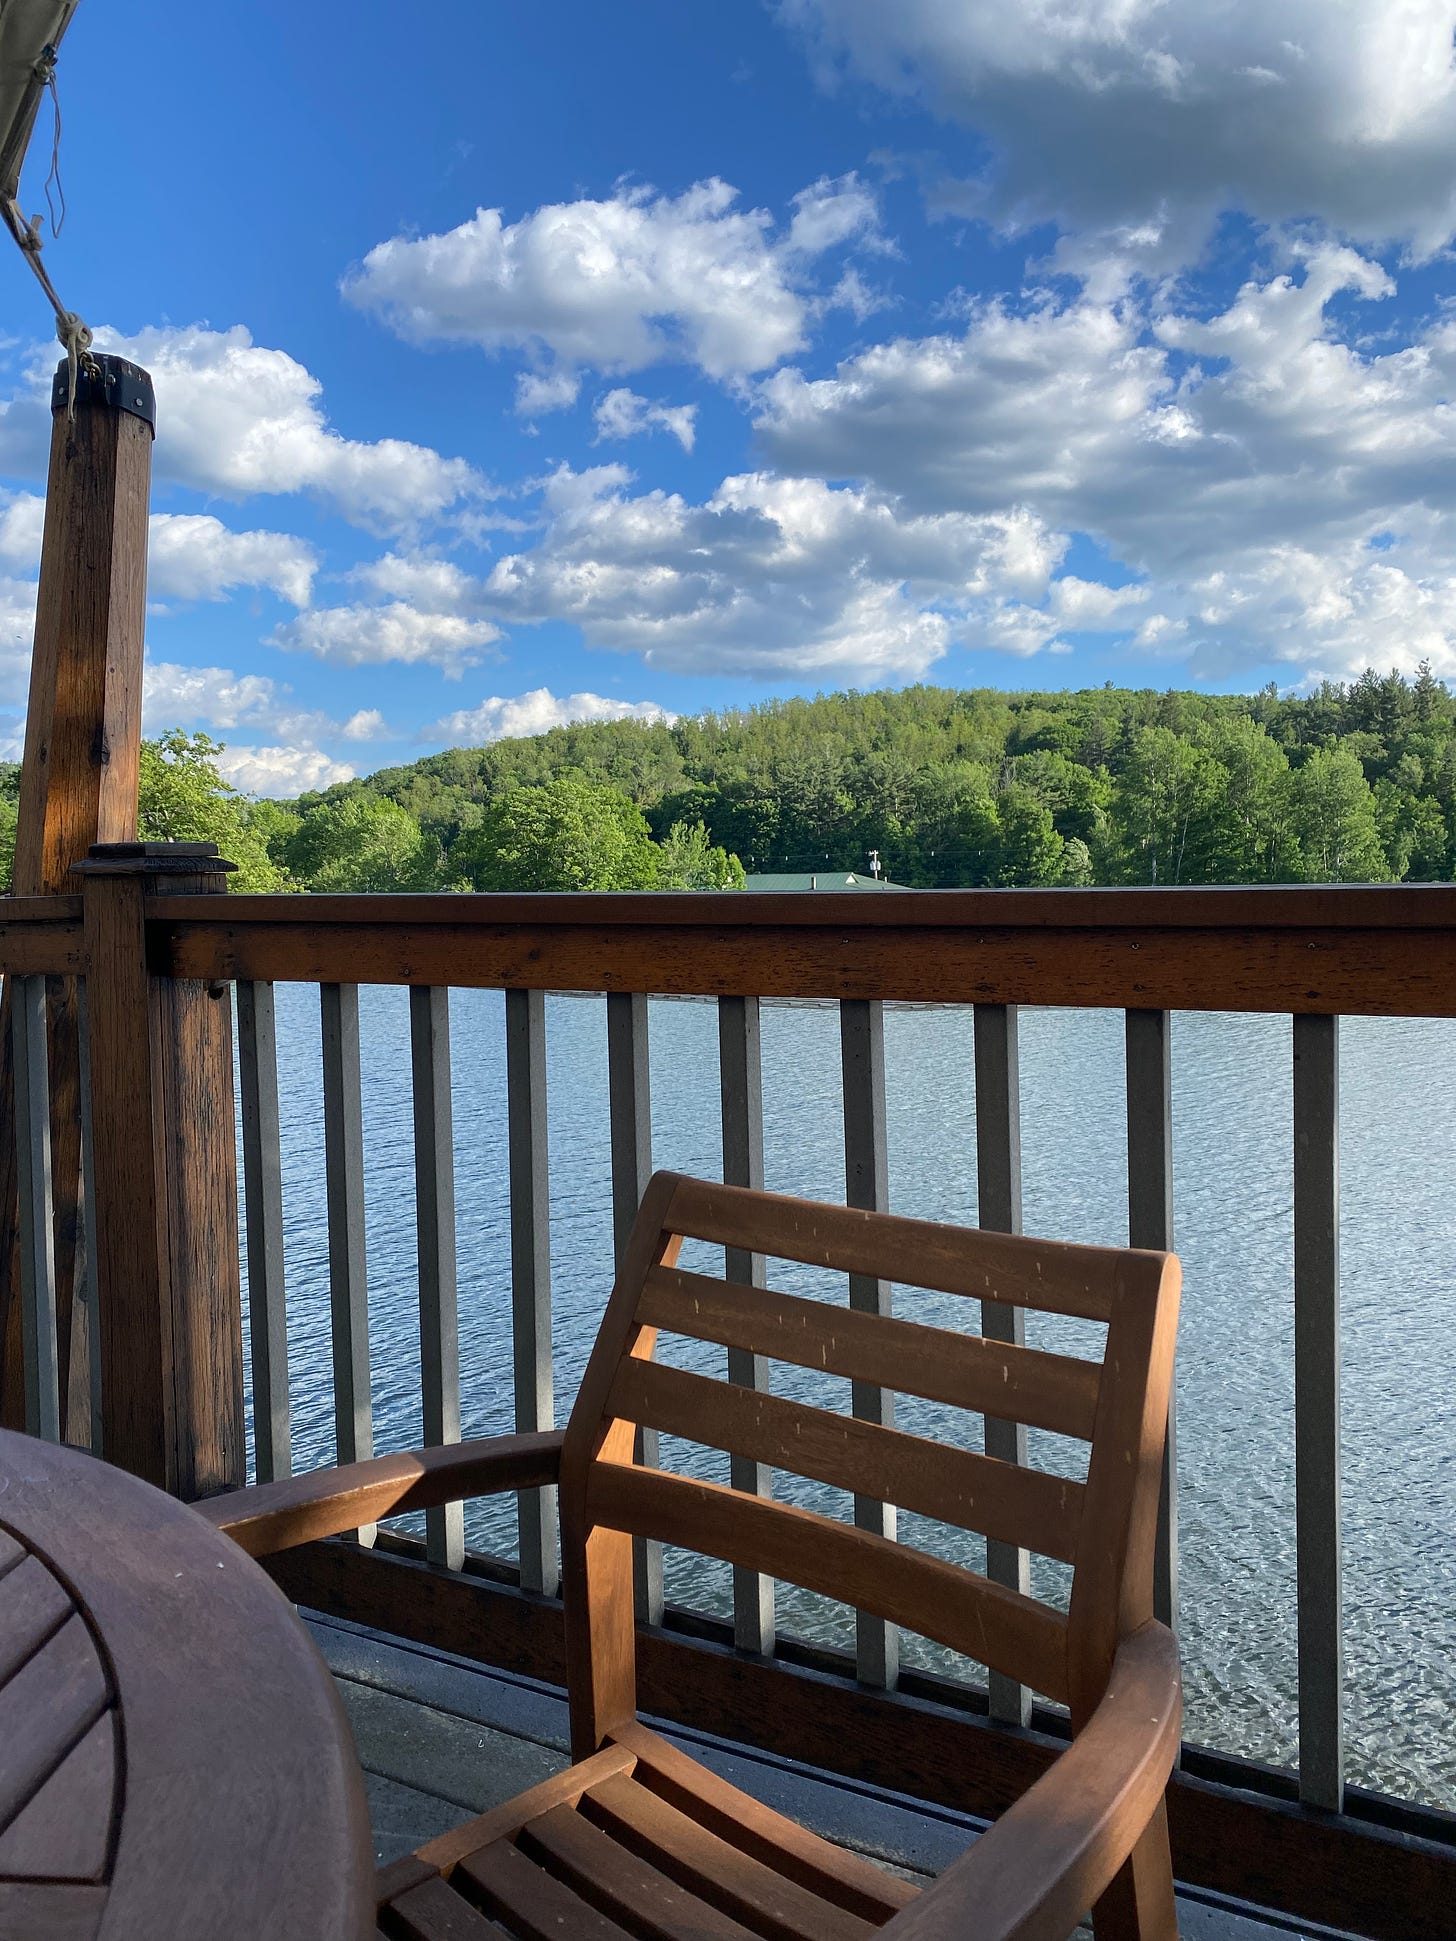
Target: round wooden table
point(174, 1758)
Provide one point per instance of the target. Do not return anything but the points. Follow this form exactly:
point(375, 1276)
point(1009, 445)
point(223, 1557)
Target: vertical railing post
point(164, 1161)
point(1317, 1409)
point(435, 1231)
point(348, 1252)
point(37, 1232)
point(740, 1084)
point(263, 1202)
point(86, 1286)
point(629, 1104)
point(535, 1398)
point(867, 1184)
point(1150, 1224)
point(78, 784)
point(998, 1198)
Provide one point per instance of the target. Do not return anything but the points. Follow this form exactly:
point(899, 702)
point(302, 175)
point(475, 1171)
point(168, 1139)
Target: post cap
point(106, 380)
point(153, 859)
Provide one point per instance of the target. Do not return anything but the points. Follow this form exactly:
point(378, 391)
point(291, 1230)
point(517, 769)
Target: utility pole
point(78, 786)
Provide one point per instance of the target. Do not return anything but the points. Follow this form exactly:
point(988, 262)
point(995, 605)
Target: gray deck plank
point(441, 1738)
point(403, 1819)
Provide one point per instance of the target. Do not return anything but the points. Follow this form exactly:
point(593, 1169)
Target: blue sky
point(543, 363)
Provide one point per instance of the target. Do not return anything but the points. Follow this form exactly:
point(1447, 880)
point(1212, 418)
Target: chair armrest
point(276, 1516)
point(1033, 1875)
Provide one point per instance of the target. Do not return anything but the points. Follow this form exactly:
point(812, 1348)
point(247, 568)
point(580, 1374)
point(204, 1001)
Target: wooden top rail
point(40, 934)
point(1373, 951)
point(1377, 951)
point(1339, 906)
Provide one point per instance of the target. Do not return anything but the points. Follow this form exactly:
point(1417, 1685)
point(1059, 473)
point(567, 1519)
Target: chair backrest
point(1103, 1527)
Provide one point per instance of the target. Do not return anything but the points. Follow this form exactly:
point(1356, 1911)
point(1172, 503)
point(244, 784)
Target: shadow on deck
point(442, 1739)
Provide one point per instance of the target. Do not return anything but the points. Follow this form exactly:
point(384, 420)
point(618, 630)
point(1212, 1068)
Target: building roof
point(823, 879)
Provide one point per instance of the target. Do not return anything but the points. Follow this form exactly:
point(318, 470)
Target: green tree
point(183, 798)
point(690, 860)
point(1030, 850)
point(1244, 831)
point(568, 835)
point(357, 842)
point(1076, 871)
point(7, 842)
point(1165, 784)
point(1334, 821)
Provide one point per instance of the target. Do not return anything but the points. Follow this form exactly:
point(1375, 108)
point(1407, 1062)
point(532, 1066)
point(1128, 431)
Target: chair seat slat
point(834, 1873)
point(940, 1601)
point(1021, 1506)
point(715, 1870)
point(530, 1902)
point(624, 1887)
point(1045, 1391)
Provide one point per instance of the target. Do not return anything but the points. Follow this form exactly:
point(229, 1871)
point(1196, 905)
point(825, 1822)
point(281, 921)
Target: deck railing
point(158, 954)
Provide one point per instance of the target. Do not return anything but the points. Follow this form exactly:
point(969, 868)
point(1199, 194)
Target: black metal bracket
point(106, 380)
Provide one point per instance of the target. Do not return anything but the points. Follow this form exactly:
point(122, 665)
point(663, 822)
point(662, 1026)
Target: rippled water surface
point(1235, 1381)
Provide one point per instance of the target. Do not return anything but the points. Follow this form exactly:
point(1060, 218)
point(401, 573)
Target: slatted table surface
point(174, 1758)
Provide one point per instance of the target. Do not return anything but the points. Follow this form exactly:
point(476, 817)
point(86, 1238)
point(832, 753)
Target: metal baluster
point(435, 1226)
point(348, 1263)
point(866, 1181)
point(1150, 1224)
point(740, 1070)
point(998, 1195)
point(531, 1271)
point(86, 1290)
point(1317, 1408)
point(630, 1107)
point(263, 1207)
point(33, 1179)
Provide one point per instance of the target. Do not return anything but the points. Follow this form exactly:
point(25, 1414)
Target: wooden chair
point(638, 1840)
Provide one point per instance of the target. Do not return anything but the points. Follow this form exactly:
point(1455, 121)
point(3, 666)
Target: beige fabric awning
point(27, 29)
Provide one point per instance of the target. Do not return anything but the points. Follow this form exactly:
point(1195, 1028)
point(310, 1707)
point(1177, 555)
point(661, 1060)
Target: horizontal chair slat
point(940, 1601)
point(1026, 1507)
point(1046, 1391)
point(1053, 1277)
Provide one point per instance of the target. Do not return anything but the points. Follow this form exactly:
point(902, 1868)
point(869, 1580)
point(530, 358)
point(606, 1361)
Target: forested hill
point(1352, 783)
point(1348, 783)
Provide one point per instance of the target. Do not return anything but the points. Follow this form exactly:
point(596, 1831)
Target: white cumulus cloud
point(219, 700)
point(369, 636)
point(192, 556)
point(1152, 116)
point(618, 283)
point(17, 633)
point(623, 414)
point(1282, 486)
point(502, 716)
point(777, 576)
point(22, 521)
point(285, 772)
point(235, 418)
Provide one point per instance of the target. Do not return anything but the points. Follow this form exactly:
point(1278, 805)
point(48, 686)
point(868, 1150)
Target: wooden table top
point(174, 1757)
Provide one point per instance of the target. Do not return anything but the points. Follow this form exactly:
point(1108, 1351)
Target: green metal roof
point(823, 879)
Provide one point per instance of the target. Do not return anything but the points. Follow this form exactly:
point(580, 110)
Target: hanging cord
point(72, 332)
point(53, 177)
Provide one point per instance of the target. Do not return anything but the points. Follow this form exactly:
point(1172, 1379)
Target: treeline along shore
point(1350, 782)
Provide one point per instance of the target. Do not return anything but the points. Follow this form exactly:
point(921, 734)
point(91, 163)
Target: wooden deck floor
point(442, 1739)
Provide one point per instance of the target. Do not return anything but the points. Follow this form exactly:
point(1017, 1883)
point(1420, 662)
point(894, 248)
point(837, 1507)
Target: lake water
point(1233, 1197)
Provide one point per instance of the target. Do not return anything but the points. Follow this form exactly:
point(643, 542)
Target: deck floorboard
point(441, 1739)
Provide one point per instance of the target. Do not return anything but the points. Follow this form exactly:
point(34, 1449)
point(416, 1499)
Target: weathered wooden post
point(165, 1168)
point(78, 782)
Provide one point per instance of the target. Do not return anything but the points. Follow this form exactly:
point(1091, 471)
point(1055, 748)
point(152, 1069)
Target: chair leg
point(1139, 1904)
